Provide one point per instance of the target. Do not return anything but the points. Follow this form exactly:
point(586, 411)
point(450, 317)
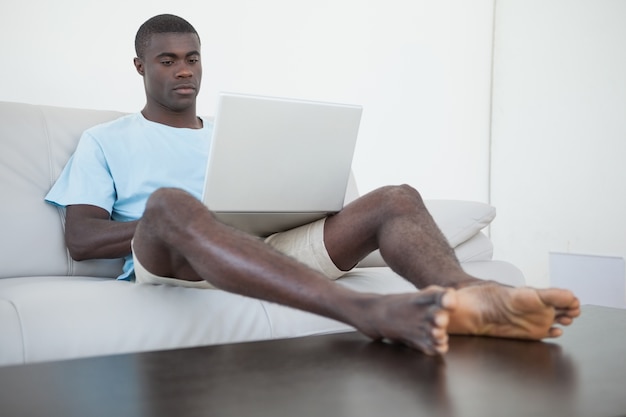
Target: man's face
point(172, 70)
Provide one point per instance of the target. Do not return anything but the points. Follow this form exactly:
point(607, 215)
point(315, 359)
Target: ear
point(139, 66)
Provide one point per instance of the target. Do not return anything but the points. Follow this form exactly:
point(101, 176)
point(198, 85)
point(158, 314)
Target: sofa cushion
point(37, 141)
point(53, 318)
point(460, 220)
point(71, 317)
point(461, 223)
point(288, 322)
point(477, 248)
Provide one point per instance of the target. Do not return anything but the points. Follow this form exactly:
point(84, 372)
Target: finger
point(442, 297)
point(440, 336)
point(441, 319)
point(442, 349)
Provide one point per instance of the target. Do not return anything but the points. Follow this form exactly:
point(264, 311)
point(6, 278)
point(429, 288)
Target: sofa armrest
point(499, 271)
point(12, 346)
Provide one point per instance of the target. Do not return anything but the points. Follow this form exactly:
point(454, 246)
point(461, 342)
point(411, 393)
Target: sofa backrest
point(36, 142)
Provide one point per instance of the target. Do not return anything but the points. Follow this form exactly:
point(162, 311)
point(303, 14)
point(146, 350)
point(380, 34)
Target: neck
point(183, 119)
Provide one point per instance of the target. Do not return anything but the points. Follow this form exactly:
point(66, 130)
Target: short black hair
point(163, 23)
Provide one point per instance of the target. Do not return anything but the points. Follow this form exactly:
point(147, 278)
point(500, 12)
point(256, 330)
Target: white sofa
point(54, 308)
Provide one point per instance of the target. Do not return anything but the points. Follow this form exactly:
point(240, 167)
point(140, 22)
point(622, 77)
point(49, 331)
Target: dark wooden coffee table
point(581, 374)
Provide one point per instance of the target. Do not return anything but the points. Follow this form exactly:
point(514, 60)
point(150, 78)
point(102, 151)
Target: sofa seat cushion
point(71, 317)
point(288, 322)
point(53, 318)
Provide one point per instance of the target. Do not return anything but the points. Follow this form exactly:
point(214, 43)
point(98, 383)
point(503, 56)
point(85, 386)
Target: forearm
point(106, 239)
point(91, 234)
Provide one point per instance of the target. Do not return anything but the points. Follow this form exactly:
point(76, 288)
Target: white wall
point(559, 131)
point(421, 69)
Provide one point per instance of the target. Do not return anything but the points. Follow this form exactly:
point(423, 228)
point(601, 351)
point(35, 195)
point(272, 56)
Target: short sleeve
point(86, 179)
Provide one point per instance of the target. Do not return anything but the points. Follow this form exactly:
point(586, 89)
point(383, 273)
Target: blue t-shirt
point(119, 164)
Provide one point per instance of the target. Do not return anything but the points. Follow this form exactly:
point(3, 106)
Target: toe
point(555, 332)
point(565, 321)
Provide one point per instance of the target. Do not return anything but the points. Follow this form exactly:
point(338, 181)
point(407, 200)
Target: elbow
point(77, 253)
point(78, 250)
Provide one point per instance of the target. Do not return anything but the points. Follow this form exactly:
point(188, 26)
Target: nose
point(184, 71)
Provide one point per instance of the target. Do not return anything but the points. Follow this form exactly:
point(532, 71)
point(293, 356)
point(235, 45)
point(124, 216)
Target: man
point(132, 189)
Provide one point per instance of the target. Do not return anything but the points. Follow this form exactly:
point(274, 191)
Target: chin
point(180, 107)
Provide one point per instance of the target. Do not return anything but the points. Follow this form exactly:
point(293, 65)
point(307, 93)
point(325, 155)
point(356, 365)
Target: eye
point(167, 62)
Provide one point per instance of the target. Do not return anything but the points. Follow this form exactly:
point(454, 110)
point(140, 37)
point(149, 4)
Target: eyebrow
point(173, 55)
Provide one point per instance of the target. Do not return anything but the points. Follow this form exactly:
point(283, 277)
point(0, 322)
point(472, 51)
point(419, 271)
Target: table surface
point(583, 373)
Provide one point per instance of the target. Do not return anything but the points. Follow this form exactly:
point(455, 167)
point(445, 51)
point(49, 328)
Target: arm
point(90, 233)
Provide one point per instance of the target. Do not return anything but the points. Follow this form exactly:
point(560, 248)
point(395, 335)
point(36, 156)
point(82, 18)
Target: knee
point(174, 211)
point(164, 199)
point(400, 199)
point(172, 204)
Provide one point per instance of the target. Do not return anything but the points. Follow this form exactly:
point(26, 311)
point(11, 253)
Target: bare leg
point(178, 237)
point(395, 220)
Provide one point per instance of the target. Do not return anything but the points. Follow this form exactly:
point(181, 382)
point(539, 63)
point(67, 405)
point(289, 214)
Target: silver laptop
point(278, 163)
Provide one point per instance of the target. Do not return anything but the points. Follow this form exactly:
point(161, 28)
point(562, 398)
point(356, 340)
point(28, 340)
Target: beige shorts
point(304, 243)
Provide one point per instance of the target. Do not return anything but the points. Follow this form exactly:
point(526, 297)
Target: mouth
point(185, 89)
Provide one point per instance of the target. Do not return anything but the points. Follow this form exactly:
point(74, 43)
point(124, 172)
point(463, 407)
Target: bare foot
point(418, 320)
point(491, 309)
